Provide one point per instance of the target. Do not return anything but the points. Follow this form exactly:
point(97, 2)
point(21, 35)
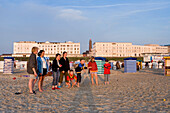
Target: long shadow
point(153, 71)
point(101, 79)
point(84, 91)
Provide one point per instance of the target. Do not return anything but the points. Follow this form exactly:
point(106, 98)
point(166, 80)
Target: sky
point(137, 21)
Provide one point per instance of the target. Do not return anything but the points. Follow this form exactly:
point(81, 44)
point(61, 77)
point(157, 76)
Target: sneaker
point(57, 88)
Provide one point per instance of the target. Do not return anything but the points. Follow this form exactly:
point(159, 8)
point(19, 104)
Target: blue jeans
point(56, 76)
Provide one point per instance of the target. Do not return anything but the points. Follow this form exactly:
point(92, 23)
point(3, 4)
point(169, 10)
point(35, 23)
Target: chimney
point(90, 45)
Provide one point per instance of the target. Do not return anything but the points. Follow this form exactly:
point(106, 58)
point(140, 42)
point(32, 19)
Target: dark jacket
point(80, 67)
point(65, 64)
point(55, 65)
point(32, 63)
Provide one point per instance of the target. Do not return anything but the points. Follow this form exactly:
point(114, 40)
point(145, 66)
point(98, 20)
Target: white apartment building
point(23, 48)
point(113, 49)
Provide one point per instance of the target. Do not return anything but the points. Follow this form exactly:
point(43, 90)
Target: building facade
point(168, 48)
point(112, 49)
point(23, 48)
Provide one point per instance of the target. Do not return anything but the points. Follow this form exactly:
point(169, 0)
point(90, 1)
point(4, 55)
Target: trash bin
point(114, 65)
point(160, 65)
point(150, 65)
point(143, 65)
point(130, 65)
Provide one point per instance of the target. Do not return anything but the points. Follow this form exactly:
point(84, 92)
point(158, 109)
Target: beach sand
point(144, 91)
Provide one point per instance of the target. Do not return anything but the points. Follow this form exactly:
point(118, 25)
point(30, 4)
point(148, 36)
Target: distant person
point(64, 70)
point(50, 66)
point(56, 71)
point(72, 79)
point(107, 67)
point(93, 70)
point(117, 65)
point(78, 69)
point(32, 70)
point(42, 69)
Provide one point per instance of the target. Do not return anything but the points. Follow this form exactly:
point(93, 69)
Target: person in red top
point(71, 78)
point(107, 67)
point(93, 70)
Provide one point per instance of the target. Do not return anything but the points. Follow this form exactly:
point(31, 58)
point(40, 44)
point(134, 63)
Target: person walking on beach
point(42, 69)
point(93, 70)
point(64, 70)
point(56, 71)
point(32, 70)
point(79, 68)
point(107, 67)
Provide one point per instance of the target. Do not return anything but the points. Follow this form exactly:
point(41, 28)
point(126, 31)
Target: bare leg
point(42, 82)
point(34, 83)
point(78, 84)
point(69, 85)
point(39, 84)
point(30, 84)
point(73, 83)
point(92, 79)
point(96, 77)
point(59, 84)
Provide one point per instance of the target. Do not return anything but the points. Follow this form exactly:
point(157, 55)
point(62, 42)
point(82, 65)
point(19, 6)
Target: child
point(79, 69)
point(92, 65)
point(107, 67)
point(71, 78)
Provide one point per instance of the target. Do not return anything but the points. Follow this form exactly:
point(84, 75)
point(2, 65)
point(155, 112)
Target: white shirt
point(58, 63)
point(44, 63)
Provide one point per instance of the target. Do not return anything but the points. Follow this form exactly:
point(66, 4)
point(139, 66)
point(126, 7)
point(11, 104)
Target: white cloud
point(71, 14)
point(128, 13)
point(125, 4)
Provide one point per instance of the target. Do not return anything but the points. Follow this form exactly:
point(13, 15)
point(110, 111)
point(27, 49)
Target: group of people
point(37, 68)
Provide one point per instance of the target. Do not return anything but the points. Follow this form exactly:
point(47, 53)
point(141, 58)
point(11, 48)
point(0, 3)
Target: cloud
point(125, 4)
point(54, 12)
point(71, 14)
point(138, 11)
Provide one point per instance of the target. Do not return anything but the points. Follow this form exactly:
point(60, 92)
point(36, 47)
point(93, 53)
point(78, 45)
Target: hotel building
point(113, 49)
point(23, 48)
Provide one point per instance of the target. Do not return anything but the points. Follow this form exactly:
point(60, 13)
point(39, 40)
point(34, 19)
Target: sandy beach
point(144, 91)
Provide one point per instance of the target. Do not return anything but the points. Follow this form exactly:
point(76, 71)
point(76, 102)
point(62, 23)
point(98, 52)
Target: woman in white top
point(42, 68)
